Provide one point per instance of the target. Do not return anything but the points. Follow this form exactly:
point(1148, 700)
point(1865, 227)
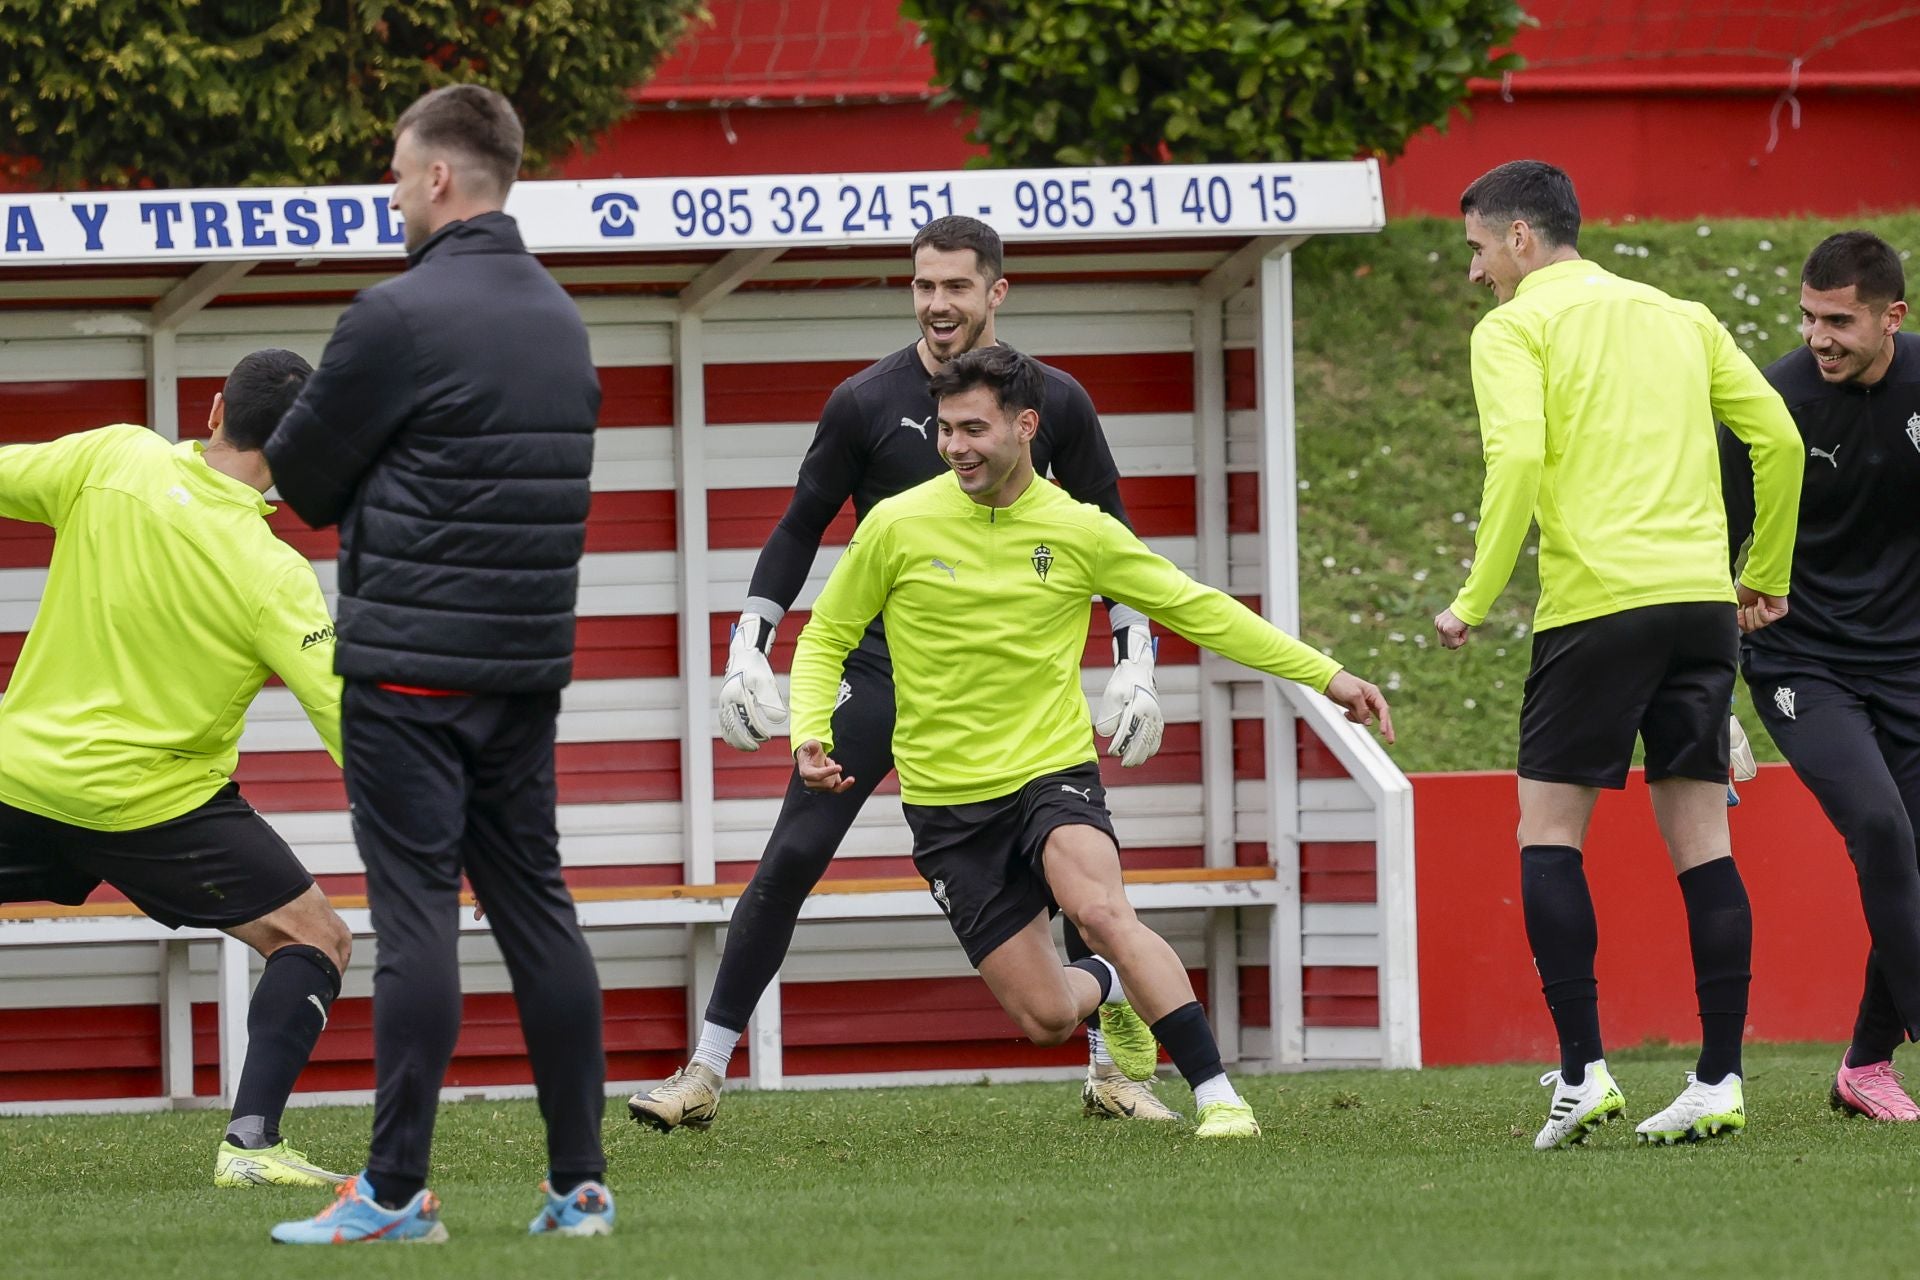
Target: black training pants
point(441, 785)
point(1855, 741)
point(806, 836)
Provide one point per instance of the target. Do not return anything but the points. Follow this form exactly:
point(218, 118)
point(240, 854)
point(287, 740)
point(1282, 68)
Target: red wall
point(1659, 108)
point(1479, 996)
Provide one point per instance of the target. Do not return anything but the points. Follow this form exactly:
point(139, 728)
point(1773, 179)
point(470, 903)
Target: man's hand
point(750, 706)
point(1759, 610)
point(1362, 702)
point(818, 770)
point(1453, 632)
point(1129, 709)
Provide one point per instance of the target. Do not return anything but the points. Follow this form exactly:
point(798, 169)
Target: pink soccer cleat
point(1873, 1091)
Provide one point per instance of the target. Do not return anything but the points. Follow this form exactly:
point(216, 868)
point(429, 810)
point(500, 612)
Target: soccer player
point(984, 578)
point(876, 438)
point(449, 432)
point(1597, 401)
point(168, 604)
point(1837, 681)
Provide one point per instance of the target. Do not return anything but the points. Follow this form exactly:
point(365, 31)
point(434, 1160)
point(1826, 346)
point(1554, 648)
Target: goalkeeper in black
point(878, 436)
point(1837, 681)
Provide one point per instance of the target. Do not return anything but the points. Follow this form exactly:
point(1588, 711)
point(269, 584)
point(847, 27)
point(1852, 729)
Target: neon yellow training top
point(168, 603)
point(1597, 403)
point(986, 614)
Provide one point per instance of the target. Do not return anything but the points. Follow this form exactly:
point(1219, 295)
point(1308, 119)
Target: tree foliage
point(119, 93)
point(1076, 82)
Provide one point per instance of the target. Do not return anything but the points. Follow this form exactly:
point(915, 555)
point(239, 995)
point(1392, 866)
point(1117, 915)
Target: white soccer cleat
point(687, 1099)
point(1701, 1111)
point(1579, 1109)
point(1110, 1095)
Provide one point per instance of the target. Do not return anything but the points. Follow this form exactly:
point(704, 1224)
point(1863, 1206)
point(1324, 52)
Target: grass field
point(1389, 448)
point(1360, 1174)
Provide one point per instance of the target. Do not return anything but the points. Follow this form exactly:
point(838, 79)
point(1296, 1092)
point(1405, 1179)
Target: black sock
point(1077, 949)
point(567, 1183)
point(1720, 927)
point(1564, 937)
point(391, 1191)
point(1101, 972)
point(1189, 1042)
point(284, 1019)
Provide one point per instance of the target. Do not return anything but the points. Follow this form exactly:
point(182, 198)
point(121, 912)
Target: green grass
point(1390, 450)
point(1360, 1174)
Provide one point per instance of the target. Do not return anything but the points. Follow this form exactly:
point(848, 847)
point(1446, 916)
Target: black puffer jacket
point(449, 431)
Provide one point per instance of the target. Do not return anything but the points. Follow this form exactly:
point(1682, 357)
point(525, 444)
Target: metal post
point(1280, 598)
point(236, 990)
point(176, 1021)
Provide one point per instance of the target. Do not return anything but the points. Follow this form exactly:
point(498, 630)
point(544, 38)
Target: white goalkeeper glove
point(1740, 752)
point(1129, 709)
point(750, 707)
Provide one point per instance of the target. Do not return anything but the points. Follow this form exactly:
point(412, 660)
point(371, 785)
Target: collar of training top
point(483, 233)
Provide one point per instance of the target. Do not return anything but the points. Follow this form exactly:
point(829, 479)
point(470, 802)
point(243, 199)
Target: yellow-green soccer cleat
point(1579, 1109)
point(688, 1098)
point(1109, 1095)
point(1701, 1111)
point(276, 1166)
point(1227, 1120)
point(1130, 1042)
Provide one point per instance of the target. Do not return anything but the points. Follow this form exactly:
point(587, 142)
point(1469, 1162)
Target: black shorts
point(1663, 673)
point(983, 860)
point(215, 867)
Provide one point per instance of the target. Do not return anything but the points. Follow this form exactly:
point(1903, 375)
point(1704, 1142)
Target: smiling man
point(876, 438)
point(985, 577)
point(1837, 682)
point(1597, 399)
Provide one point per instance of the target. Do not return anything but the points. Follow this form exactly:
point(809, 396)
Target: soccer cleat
point(585, 1211)
point(1701, 1111)
point(1227, 1120)
point(355, 1217)
point(276, 1166)
point(1130, 1041)
point(1873, 1091)
point(688, 1098)
point(1578, 1109)
point(1110, 1095)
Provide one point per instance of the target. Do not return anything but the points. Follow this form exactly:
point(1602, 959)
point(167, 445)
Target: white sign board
point(640, 215)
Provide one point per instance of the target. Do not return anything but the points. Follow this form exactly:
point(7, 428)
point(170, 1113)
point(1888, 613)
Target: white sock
point(1097, 1048)
point(1217, 1089)
point(1114, 994)
point(716, 1046)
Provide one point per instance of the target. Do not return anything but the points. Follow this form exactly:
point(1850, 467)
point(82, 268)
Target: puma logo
point(1832, 460)
point(952, 570)
point(1085, 793)
point(920, 426)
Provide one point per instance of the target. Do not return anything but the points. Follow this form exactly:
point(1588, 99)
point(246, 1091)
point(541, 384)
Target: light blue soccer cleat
point(355, 1217)
point(585, 1211)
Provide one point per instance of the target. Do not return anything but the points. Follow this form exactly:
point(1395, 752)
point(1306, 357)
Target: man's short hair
point(1015, 378)
point(1861, 259)
point(948, 234)
point(1529, 191)
point(258, 393)
point(473, 120)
